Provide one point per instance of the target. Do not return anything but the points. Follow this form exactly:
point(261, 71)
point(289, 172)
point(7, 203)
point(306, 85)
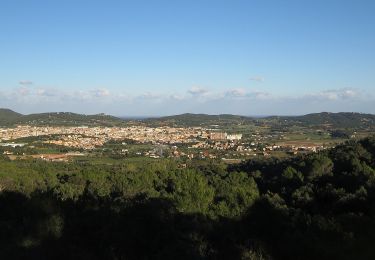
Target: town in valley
point(226, 140)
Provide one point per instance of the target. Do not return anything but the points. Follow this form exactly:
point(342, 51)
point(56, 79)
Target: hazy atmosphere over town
point(151, 58)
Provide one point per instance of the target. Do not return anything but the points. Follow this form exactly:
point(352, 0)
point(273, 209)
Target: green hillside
point(9, 117)
point(330, 120)
point(189, 119)
point(67, 118)
point(338, 120)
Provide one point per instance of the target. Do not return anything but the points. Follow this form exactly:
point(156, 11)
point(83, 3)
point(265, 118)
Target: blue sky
point(169, 57)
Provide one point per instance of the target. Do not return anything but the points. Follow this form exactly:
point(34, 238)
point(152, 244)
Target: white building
point(234, 137)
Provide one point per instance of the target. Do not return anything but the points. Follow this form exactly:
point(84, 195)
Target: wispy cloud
point(25, 82)
point(101, 92)
point(194, 93)
point(149, 96)
point(336, 94)
point(237, 100)
point(248, 94)
point(257, 78)
point(177, 97)
point(197, 91)
point(23, 91)
point(47, 92)
point(261, 95)
point(237, 92)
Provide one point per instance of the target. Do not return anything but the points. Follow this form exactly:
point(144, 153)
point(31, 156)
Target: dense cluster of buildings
point(91, 137)
point(201, 142)
point(221, 136)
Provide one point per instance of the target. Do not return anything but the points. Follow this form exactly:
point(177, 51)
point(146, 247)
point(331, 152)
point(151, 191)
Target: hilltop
point(323, 119)
point(343, 119)
point(330, 120)
point(9, 117)
point(189, 119)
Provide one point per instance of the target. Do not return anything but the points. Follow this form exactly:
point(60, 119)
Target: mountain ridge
point(339, 119)
point(10, 117)
point(336, 120)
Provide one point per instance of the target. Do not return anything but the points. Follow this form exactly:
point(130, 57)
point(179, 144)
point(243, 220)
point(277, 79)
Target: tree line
point(315, 206)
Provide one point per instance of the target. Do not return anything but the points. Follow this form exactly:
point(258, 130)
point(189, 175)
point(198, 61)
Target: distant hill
point(324, 119)
point(67, 118)
point(9, 117)
point(329, 120)
point(335, 120)
point(189, 119)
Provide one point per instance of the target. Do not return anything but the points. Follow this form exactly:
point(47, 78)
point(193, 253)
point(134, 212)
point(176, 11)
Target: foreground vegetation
point(317, 206)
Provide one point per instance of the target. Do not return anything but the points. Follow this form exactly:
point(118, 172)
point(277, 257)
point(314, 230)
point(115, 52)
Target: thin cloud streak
point(257, 79)
point(196, 99)
point(25, 82)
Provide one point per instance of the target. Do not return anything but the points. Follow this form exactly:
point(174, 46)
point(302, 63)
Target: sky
point(153, 58)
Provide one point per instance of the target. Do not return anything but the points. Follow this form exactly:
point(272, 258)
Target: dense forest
point(316, 206)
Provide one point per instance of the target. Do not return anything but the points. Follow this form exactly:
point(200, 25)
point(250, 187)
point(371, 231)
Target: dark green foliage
point(321, 206)
point(8, 116)
point(316, 206)
point(340, 134)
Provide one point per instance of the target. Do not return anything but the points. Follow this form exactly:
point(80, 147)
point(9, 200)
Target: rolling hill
point(9, 117)
point(325, 119)
point(189, 119)
point(329, 120)
point(335, 120)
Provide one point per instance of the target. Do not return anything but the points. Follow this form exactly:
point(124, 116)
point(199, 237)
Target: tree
point(192, 193)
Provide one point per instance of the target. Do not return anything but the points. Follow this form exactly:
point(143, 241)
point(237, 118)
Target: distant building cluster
point(219, 136)
point(189, 142)
point(90, 137)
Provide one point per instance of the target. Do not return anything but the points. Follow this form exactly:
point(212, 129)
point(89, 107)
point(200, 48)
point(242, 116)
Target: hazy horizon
point(166, 115)
point(165, 58)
